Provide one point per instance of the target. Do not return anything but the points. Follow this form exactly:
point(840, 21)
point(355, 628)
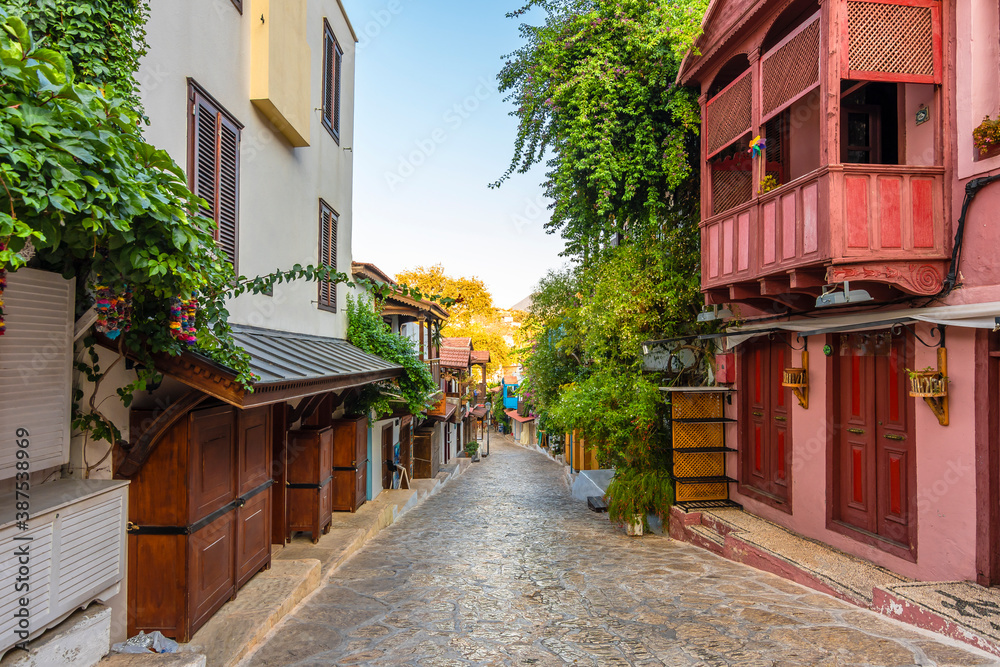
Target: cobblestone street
point(503, 567)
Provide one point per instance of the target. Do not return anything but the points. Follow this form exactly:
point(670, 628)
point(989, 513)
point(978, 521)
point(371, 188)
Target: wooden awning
point(290, 366)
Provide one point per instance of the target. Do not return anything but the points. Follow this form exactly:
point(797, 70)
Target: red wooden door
point(767, 455)
point(875, 467)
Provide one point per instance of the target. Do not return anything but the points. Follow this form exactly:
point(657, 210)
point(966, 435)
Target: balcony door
point(767, 452)
point(874, 466)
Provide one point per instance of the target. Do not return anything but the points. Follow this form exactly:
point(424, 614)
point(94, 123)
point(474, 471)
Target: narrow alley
point(503, 567)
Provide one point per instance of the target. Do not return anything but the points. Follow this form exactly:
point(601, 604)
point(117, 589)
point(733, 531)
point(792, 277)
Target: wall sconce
point(797, 379)
point(932, 386)
point(715, 314)
point(831, 297)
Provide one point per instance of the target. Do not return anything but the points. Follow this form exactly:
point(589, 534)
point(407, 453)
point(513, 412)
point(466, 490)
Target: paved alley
point(503, 567)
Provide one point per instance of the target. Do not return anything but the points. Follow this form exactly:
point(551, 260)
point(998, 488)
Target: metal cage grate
point(891, 39)
point(728, 114)
point(790, 69)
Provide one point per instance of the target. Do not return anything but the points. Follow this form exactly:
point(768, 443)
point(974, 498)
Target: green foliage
point(104, 40)
point(471, 448)
point(594, 87)
point(368, 331)
point(637, 491)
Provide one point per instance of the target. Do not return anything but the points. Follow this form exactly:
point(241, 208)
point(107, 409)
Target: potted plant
point(472, 450)
point(927, 383)
point(986, 137)
point(635, 493)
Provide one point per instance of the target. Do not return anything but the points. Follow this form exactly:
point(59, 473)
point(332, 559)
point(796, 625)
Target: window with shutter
point(328, 254)
point(214, 165)
point(332, 59)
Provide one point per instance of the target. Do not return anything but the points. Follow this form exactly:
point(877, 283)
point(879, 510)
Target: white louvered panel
point(39, 554)
point(36, 358)
point(77, 554)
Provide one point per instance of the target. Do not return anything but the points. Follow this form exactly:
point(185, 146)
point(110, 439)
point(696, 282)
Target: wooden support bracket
point(142, 447)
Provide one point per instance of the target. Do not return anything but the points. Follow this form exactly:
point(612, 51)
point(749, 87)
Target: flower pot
point(794, 377)
point(634, 528)
point(928, 384)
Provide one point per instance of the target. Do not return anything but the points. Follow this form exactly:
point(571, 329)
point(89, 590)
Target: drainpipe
point(972, 188)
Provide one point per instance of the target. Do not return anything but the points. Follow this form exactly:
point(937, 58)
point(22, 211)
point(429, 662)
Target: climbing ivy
point(368, 331)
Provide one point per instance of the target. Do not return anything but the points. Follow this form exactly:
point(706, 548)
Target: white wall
point(280, 186)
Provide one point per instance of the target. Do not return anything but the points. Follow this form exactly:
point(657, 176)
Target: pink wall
point(945, 496)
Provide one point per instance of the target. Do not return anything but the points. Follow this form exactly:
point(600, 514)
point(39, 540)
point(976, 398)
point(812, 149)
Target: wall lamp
point(715, 314)
point(831, 297)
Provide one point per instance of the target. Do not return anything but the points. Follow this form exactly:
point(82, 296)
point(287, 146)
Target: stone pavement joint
point(503, 567)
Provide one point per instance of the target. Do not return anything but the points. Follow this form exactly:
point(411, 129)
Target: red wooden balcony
point(858, 222)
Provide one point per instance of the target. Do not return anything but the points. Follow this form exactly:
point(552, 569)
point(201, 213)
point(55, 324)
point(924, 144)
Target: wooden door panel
point(254, 449)
point(254, 536)
point(768, 436)
point(213, 466)
point(387, 456)
point(874, 435)
point(212, 575)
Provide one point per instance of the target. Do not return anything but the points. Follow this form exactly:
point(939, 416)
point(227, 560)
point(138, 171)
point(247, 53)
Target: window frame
point(324, 209)
point(332, 74)
point(239, 6)
point(198, 96)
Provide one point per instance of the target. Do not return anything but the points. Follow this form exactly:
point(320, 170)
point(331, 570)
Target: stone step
point(79, 641)
point(958, 609)
point(706, 538)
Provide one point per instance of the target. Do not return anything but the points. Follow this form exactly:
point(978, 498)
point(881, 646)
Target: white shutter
point(36, 365)
point(75, 542)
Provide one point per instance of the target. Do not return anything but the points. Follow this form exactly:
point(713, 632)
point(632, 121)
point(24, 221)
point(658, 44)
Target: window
point(214, 165)
point(239, 5)
point(328, 254)
point(332, 59)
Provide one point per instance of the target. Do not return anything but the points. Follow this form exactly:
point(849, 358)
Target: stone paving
point(503, 567)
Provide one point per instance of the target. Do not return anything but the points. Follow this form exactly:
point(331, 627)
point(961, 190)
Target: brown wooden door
point(875, 468)
point(213, 461)
point(406, 449)
point(387, 456)
point(768, 437)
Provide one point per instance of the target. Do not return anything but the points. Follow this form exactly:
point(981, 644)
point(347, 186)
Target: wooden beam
point(142, 447)
point(805, 279)
point(305, 409)
point(716, 297)
point(744, 291)
point(774, 286)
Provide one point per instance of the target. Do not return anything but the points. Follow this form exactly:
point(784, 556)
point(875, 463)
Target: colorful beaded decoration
point(182, 319)
point(114, 311)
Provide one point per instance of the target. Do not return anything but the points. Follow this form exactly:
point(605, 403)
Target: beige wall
point(280, 185)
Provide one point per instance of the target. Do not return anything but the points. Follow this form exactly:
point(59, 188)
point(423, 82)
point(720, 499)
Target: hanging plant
point(3, 286)
point(986, 137)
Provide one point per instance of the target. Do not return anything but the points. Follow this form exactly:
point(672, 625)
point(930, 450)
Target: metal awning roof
point(278, 356)
point(289, 366)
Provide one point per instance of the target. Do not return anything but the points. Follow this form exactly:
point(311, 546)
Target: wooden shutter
point(214, 166)
point(332, 57)
point(36, 362)
point(327, 254)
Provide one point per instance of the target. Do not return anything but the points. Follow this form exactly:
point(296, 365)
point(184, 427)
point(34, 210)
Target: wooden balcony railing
point(878, 223)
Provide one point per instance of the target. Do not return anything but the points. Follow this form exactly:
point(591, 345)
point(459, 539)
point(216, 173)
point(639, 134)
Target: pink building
point(865, 234)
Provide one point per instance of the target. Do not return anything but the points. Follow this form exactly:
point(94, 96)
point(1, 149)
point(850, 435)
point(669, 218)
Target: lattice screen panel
point(687, 436)
point(730, 189)
point(693, 405)
point(894, 40)
point(692, 492)
point(728, 114)
point(790, 69)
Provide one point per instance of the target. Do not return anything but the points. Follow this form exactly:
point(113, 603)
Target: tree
point(472, 315)
point(594, 90)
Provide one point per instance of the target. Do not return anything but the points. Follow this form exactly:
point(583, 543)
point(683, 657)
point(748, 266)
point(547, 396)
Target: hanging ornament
point(182, 319)
point(114, 309)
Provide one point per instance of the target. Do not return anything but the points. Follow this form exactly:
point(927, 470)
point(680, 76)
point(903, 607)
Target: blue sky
point(431, 131)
